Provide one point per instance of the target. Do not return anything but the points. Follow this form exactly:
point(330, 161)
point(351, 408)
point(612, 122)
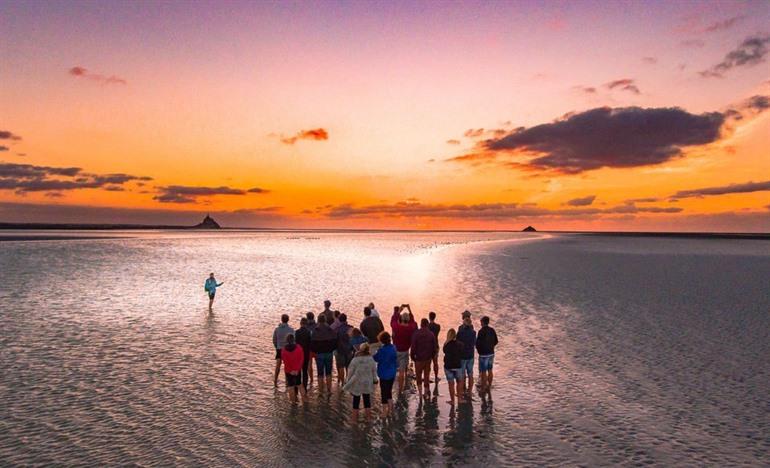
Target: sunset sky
point(421, 115)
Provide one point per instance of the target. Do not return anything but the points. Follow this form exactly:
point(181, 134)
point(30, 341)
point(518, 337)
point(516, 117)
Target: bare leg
point(489, 381)
point(435, 367)
point(452, 392)
point(426, 378)
point(401, 380)
point(329, 384)
point(482, 381)
point(303, 392)
point(469, 390)
point(211, 303)
point(277, 371)
point(418, 374)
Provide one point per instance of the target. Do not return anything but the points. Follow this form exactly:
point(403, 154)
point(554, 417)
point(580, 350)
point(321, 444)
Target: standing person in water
point(453, 351)
point(485, 345)
point(327, 312)
point(374, 311)
point(423, 348)
point(467, 336)
point(371, 327)
point(279, 341)
point(435, 328)
point(360, 383)
point(210, 287)
point(323, 343)
point(311, 325)
point(292, 356)
point(387, 364)
point(302, 337)
point(403, 325)
point(344, 352)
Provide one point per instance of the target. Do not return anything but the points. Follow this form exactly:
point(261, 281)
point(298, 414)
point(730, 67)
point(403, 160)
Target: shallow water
point(634, 351)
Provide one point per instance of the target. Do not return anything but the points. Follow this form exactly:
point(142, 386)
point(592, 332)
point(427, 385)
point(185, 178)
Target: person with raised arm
point(403, 325)
point(210, 287)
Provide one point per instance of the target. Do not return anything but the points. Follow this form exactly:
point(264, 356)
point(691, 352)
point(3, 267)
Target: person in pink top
point(293, 357)
point(404, 326)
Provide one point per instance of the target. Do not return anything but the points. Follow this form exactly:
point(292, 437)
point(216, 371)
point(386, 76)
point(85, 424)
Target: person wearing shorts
point(485, 345)
point(323, 343)
point(453, 351)
point(280, 333)
point(293, 356)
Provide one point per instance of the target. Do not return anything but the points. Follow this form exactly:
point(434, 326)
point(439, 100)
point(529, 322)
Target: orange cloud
point(317, 134)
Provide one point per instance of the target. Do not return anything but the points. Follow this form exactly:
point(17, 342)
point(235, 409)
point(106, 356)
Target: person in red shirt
point(404, 326)
point(293, 356)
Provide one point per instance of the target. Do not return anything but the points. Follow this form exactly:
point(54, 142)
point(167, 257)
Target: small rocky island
point(529, 229)
point(207, 223)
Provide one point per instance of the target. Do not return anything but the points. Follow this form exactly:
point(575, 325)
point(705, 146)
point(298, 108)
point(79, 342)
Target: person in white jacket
point(362, 375)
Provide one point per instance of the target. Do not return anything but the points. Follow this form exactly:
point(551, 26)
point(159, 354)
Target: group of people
point(368, 355)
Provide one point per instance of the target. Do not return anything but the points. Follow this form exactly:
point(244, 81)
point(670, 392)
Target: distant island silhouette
point(207, 223)
point(529, 229)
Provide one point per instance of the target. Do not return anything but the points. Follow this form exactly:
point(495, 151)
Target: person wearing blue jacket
point(467, 336)
point(387, 365)
point(211, 288)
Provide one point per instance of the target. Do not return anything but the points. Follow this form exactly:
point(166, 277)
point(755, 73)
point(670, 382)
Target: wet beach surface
point(632, 351)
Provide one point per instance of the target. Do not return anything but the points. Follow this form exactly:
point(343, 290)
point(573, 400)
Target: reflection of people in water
point(211, 288)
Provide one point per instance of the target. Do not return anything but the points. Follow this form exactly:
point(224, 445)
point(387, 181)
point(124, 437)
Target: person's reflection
point(458, 437)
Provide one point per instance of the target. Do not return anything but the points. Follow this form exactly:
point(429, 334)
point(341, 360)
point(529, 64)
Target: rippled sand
point(614, 350)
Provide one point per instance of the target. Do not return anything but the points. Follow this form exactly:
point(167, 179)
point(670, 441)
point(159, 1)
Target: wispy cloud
point(453, 142)
point(316, 134)
point(723, 24)
point(80, 72)
point(191, 193)
point(481, 211)
point(624, 84)
point(746, 187)
point(583, 201)
point(751, 51)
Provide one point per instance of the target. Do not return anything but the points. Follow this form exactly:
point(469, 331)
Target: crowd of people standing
point(368, 356)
